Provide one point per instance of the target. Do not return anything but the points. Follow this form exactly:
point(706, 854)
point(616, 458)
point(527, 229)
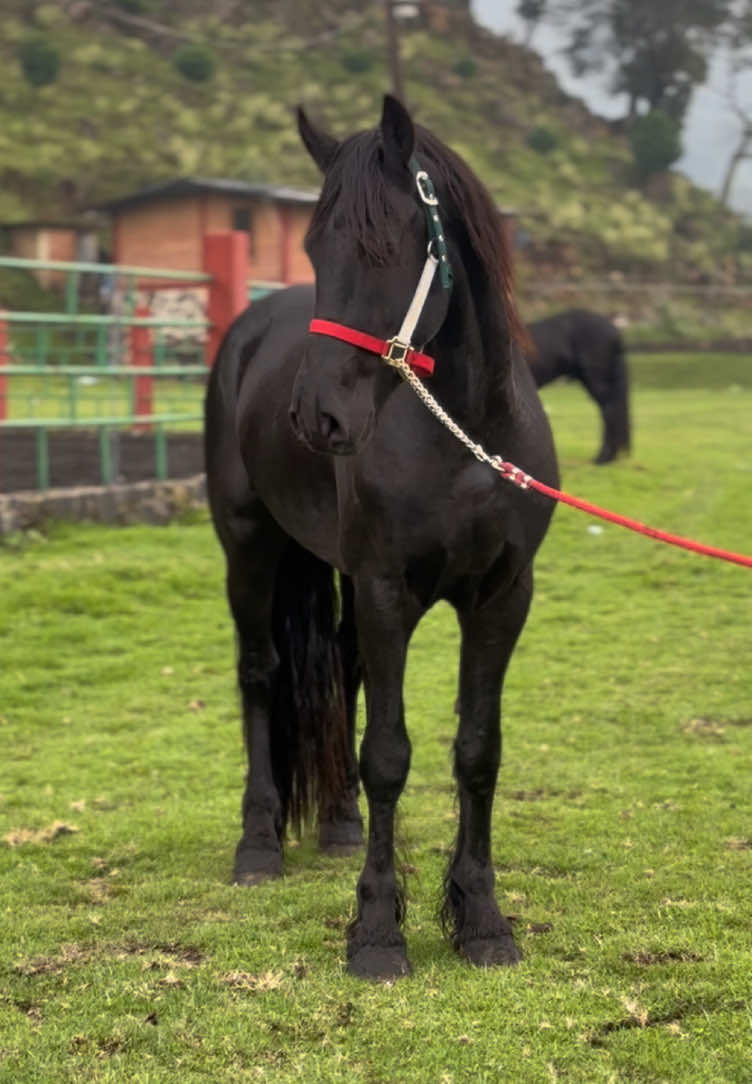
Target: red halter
point(399, 348)
point(385, 348)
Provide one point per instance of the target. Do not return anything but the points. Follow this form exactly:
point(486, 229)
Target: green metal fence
point(73, 370)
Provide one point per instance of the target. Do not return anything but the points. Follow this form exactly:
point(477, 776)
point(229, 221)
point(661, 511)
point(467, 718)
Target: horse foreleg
point(479, 931)
point(385, 618)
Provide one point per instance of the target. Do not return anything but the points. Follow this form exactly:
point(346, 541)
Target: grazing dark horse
point(320, 458)
point(585, 346)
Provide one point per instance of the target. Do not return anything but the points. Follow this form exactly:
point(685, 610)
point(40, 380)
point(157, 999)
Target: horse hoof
point(379, 964)
point(339, 838)
point(253, 878)
point(491, 952)
point(253, 867)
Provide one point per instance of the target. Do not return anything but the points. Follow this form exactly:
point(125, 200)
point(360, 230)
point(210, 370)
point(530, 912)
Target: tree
point(658, 49)
point(531, 12)
point(655, 141)
point(736, 39)
point(735, 33)
point(739, 154)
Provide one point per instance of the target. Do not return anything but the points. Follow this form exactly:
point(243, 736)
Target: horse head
point(368, 243)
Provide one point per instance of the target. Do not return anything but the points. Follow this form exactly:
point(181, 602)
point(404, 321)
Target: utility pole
point(393, 50)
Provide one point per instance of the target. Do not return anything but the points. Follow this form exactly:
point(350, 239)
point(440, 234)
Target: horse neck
point(473, 350)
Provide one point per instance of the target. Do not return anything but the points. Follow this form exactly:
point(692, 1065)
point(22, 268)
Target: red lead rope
point(524, 481)
point(509, 471)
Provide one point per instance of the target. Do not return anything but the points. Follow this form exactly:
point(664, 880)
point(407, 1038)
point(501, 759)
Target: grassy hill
point(120, 115)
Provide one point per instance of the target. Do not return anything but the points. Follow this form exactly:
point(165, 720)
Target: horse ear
point(321, 146)
point(398, 135)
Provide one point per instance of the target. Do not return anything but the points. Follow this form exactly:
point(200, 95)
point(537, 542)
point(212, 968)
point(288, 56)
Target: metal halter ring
point(397, 352)
point(427, 194)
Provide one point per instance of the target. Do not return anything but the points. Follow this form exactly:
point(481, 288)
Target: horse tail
point(308, 728)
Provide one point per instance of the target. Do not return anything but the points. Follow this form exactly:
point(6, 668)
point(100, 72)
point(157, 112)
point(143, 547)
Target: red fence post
point(142, 354)
point(4, 360)
point(225, 258)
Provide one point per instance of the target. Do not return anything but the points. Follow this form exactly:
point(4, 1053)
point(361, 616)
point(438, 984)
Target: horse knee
point(384, 768)
point(477, 761)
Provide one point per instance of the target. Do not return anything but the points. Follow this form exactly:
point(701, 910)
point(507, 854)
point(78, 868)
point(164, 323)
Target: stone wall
point(137, 502)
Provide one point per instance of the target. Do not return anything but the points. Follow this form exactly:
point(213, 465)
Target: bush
point(357, 60)
point(194, 62)
point(467, 67)
point(20, 290)
point(40, 61)
point(541, 139)
point(655, 142)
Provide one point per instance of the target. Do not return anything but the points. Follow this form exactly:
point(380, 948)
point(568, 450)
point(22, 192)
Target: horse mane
point(356, 192)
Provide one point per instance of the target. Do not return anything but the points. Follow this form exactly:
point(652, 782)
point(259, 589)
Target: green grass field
point(621, 828)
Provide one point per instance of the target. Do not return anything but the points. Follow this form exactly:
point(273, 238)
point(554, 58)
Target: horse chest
point(454, 521)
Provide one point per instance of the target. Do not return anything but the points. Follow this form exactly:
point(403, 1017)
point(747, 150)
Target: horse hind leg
point(341, 826)
point(290, 677)
point(470, 913)
point(607, 384)
point(250, 588)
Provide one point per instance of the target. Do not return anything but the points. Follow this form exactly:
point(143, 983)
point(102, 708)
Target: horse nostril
point(293, 416)
point(333, 434)
point(329, 427)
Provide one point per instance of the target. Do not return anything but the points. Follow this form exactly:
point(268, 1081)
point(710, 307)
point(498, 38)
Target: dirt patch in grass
point(105, 1048)
point(261, 982)
point(737, 843)
point(17, 837)
point(164, 956)
point(247, 982)
point(29, 1009)
point(168, 954)
point(711, 729)
point(638, 1017)
point(662, 956)
point(68, 956)
point(99, 890)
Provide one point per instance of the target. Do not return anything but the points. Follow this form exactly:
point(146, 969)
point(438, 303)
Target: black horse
point(587, 347)
point(320, 458)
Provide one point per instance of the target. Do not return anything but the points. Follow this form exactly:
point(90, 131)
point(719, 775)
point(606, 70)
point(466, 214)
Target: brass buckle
point(397, 352)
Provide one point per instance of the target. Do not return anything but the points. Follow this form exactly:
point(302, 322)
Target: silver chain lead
point(507, 470)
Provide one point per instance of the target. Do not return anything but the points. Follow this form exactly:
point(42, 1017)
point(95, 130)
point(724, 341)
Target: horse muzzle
point(324, 431)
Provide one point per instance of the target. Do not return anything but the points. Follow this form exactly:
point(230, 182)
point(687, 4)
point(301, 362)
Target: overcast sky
point(711, 130)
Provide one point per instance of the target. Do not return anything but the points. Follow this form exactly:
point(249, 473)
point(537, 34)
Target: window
point(242, 220)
